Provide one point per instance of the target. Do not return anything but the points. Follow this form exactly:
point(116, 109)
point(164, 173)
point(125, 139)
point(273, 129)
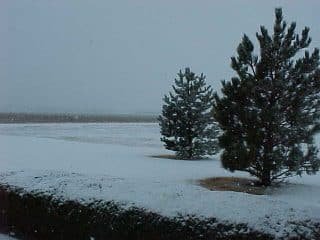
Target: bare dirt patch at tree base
point(167, 156)
point(235, 184)
point(174, 157)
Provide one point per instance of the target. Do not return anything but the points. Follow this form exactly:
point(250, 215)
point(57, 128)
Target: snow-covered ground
point(6, 237)
point(111, 161)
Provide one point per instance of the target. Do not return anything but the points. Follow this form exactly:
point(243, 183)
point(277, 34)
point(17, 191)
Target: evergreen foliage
point(186, 122)
point(269, 113)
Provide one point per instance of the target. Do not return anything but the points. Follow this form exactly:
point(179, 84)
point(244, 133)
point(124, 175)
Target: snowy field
point(6, 237)
point(112, 162)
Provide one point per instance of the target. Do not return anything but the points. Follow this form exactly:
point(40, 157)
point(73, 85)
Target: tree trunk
point(268, 148)
point(266, 167)
point(266, 177)
point(190, 150)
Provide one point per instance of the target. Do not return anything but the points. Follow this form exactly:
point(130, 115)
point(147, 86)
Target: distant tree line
point(265, 118)
point(74, 118)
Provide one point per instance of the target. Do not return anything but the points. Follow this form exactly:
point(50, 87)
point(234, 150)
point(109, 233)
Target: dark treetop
point(269, 112)
point(187, 124)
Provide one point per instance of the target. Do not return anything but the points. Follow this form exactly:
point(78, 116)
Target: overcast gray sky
point(121, 56)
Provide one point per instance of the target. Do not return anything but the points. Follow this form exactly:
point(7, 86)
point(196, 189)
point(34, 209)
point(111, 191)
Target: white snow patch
point(111, 162)
point(6, 237)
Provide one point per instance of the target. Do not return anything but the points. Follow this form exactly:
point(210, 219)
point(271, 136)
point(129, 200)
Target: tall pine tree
point(186, 122)
point(269, 113)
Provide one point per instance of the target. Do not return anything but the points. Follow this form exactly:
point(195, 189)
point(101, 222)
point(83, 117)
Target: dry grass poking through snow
point(233, 184)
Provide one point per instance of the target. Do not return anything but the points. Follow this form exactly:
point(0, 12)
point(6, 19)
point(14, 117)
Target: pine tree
point(269, 113)
point(186, 122)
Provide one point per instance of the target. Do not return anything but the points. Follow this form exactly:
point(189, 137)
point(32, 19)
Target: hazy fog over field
point(121, 56)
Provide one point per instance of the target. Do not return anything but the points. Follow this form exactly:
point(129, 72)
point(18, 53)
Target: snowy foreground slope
point(6, 237)
point(112, 162)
